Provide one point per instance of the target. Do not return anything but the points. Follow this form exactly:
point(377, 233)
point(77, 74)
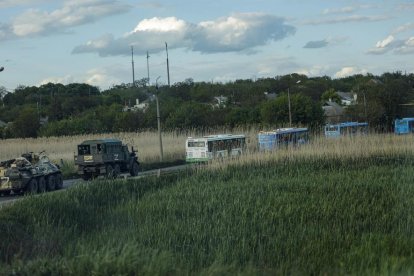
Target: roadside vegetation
point(78, 109)
point(341, 206)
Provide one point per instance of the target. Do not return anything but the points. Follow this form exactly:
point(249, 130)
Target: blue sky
point(89, 41)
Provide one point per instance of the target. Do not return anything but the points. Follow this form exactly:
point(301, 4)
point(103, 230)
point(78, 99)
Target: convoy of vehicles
point(29, 173)
point(345, 129)
point(214, 146)
point(105, 157)
point(282, 137)
point(34, 173)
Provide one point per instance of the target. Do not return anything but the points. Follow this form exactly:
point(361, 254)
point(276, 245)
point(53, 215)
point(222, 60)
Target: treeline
point(56, 109)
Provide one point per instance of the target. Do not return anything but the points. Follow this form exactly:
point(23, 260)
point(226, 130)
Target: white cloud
point(314, 71)
point(169, 24)
point(406, 6)
point(101, 78)
point(14, 3)
point(349, 71)
point(397, 46)
point(407, 47)
point(339, 10)
point(386, 42)
point(347, 19)
point(72, 13)
point(403, 28)
point(383, 46)
point(63, 80)
point(238, 32)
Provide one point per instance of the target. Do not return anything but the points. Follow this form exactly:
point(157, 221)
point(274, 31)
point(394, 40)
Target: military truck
point(105, 157)
point(30, 173)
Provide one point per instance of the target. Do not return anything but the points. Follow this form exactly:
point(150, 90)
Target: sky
point(90, 41)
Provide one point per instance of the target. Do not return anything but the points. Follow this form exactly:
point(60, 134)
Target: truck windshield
point(84, 149)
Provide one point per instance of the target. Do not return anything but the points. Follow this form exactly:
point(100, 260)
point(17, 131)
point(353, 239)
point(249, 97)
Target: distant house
point(270, 96)
point(137, 106)
point(44, 120)
point(220, 102)
point(347, 98)
point(334, 112)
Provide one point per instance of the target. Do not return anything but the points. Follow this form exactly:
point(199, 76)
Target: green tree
point(189, 115)
point(26, 123)
point(330, 95)
point(304, 111)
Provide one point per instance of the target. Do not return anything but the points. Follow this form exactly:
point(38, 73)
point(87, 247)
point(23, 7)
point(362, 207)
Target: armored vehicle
point(105, 157)
point(30, 173)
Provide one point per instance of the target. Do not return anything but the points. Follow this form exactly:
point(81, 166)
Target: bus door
point(220, 149)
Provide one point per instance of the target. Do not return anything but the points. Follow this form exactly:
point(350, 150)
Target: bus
point(347, 128)
point(214, 146)
point(282, 137)
point(404, 126)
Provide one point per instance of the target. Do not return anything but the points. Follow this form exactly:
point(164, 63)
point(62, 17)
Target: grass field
point(333, 207)
point(146, 143)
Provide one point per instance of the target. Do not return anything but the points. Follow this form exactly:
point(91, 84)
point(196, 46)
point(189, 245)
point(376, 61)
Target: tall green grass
point(307, 215)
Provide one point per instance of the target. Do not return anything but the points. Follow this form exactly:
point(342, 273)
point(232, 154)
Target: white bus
point(214, 146)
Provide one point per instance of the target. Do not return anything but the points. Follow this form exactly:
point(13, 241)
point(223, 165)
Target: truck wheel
point(41, 185)
point(31, 187)
point(117, 170)
point(86, 176)
point(51, 183)
point(135, 169)
point(109, 172)
point(59, 182)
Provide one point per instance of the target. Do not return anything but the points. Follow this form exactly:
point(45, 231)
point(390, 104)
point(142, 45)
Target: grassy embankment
point(337, 207)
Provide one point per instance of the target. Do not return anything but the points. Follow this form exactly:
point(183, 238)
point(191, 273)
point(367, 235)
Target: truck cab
point(107, 157)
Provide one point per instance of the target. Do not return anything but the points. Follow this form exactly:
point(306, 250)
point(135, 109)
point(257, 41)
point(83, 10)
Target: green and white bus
point(214, 146)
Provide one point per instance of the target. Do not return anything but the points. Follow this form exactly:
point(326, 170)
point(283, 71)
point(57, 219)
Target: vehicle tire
point(109, 172)
point(5, 193)
point(59, 182)
point(134, 169)
point(87, 176)
point(117, 170)
point(41, 185)
point(51, 183)
point(32, 187)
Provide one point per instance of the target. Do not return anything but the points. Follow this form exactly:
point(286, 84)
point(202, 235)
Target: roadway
point(5, 200)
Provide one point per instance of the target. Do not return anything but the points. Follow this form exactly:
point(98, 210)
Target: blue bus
point(404, 126)
point(347, 128)
point(282, 137)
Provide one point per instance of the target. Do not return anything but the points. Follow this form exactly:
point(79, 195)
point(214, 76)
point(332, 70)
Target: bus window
point(196, 144)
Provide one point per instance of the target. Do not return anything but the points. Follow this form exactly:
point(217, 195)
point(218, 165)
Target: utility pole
point(290, 112)
point(148, 78)
point(158, 120)
point(168, 64)
point(289, 105)
point(133, 67)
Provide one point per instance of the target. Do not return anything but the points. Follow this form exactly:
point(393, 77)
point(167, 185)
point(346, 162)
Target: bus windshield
point(196, 144)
